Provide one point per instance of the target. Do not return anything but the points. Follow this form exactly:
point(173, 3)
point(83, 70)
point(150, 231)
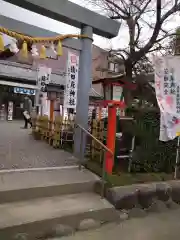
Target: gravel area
point(19, 150)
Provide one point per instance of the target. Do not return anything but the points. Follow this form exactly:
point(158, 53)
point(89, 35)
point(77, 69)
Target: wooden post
point(111, 138)
point(100, 113)
point(51, 110)
point(51, 113)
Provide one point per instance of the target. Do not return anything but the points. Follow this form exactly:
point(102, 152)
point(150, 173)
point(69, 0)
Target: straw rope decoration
point(34, 40)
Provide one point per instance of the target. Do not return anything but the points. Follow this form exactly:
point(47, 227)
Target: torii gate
point(89, 22)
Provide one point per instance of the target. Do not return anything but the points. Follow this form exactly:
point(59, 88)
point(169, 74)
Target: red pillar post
point(111, 138)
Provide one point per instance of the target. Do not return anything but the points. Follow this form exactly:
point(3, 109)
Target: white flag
point(167, 86)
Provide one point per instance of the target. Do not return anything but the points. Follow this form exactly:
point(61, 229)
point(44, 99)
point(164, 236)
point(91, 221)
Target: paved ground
point(19, 150)
point(164, 226)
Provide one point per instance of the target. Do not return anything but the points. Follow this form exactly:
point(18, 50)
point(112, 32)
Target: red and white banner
point(167, 86)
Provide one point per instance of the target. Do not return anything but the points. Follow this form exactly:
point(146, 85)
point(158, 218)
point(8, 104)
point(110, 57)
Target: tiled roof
point(95, 94)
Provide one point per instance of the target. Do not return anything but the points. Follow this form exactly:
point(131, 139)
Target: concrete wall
point(25, 71)
point(100, 63)
point(58, 65)
point(98, 88)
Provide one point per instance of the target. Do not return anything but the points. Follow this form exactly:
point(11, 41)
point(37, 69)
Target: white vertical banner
point(167, 86)
point(117, 92)
point(70, 96)
point(10, 111)
point(43, 79)
point(45, 106)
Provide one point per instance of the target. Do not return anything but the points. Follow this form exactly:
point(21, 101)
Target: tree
point(147, 31)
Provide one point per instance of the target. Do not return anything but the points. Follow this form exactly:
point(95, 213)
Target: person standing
point(27, 112)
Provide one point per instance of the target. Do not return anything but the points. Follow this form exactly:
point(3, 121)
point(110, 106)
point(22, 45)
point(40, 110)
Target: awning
point(15, 84)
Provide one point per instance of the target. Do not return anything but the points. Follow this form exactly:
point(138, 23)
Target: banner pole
point(177, 159)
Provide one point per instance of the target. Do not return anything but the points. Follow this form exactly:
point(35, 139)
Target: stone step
point(21, 185)
point(38, 218)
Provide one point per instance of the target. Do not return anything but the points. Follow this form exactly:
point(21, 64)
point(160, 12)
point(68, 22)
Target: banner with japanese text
point(167, 86)
point(70, 98)
point(43, 79)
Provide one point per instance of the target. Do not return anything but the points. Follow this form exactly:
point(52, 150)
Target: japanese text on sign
point(166, 81)
point(44, 75)
point(172, 84)
point(70, 97)
point(167, 86)
point(178, 99)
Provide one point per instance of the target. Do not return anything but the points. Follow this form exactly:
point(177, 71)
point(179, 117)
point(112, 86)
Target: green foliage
point(150, 154)
point(178, 31)
point(123, 179)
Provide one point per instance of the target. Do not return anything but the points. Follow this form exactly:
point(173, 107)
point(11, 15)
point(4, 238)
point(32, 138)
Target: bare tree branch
point(141, 11)
point(155, 34)
point(146, 24)
point(122, 13)
point(138, 33)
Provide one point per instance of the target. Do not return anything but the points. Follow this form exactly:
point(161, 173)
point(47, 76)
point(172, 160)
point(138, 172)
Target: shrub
point(150, 155)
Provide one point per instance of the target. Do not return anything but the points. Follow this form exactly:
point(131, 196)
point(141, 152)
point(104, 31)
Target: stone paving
point(19, 150)
point(164, 226)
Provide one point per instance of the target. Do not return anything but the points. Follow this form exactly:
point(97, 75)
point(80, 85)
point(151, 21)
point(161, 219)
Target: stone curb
point(143, 195)
point(61, 230)
point(133, 201)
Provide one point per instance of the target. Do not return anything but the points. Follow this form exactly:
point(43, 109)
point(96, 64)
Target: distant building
point(17, 72)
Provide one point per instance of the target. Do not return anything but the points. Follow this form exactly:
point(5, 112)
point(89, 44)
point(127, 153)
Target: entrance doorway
point(15, 95)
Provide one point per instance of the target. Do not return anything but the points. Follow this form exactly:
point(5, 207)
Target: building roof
point(113, 78)
point(116, 80)
point(94, 94)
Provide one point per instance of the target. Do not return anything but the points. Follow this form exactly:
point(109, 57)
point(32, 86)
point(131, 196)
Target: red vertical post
point(111, 138)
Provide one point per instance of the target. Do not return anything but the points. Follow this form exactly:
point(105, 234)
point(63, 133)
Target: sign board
point(117, 92)
point(10, 111)
point(26, 91)
point(44, 78)
point(167, 86)
point(70, 98)
point(118, 96)
point(2, 112)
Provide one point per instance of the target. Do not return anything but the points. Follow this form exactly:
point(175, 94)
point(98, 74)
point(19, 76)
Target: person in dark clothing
point(27, 112)
point(27, 120)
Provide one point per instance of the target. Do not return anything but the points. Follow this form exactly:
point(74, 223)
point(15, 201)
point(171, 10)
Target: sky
point(121, 40)
point(9, 10)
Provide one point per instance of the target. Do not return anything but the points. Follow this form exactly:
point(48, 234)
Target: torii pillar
point(89, 22)
point(84, 86)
